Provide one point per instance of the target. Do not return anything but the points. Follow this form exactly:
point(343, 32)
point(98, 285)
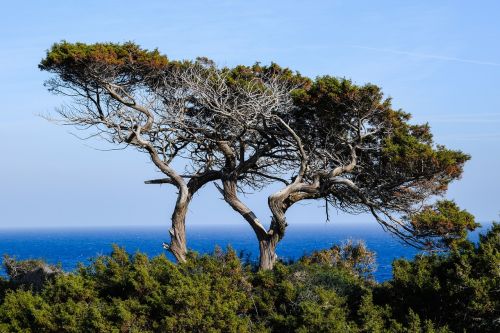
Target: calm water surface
point(69, 247)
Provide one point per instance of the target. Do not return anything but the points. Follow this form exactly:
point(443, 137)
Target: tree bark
point(178, 230)
point(279, 203)
point(267, 248)
point(267, 240)
point(177, 244)
point(231, 197)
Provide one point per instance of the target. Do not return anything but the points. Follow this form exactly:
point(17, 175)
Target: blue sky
point(439, 60)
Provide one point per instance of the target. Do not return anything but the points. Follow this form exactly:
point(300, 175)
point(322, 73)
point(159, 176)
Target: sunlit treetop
point(84, 63)
point(66, 54)
point(443, 222)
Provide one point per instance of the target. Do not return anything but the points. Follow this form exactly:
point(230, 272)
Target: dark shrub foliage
point(328, 291)
point(460, 289)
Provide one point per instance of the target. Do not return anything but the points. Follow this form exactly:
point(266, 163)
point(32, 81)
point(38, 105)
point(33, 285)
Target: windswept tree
point(171, 110)
point(326, 139)
point(353, 150)
point(252, 144)
point(112, 88)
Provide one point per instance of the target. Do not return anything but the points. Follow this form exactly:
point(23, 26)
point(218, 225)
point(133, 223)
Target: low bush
point(328, 291)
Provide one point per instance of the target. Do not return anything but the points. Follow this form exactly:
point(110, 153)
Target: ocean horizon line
point(188, 226)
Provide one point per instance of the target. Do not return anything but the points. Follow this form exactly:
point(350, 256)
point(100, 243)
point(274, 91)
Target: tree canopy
point(247, 126)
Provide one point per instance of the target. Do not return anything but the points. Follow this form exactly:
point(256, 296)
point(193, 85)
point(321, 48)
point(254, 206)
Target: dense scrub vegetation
point(329, 291)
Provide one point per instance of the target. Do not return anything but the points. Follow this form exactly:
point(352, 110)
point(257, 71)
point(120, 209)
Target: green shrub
point(328, 291)
point(460, 289)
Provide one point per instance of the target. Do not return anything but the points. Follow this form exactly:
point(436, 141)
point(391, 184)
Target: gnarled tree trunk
point(268, 240)
point(267, 251)
point(177, 244)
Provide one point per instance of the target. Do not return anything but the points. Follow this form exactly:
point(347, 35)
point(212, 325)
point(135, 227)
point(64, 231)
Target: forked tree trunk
point(276, 231)
point(267, 239)
point(178, 246)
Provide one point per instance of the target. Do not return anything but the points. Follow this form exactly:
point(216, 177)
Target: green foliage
point(66, 55)
point(85, 66)
point(445, 221)
point(22, 311)
point(461, 289)
point(245, 75)
point(397, 164)
point(328, 291)
point(352, 256)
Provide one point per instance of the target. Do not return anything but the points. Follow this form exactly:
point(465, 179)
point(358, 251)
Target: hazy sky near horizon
point(438, 60)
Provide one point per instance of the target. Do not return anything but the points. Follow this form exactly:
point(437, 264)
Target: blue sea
point(69, 247)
